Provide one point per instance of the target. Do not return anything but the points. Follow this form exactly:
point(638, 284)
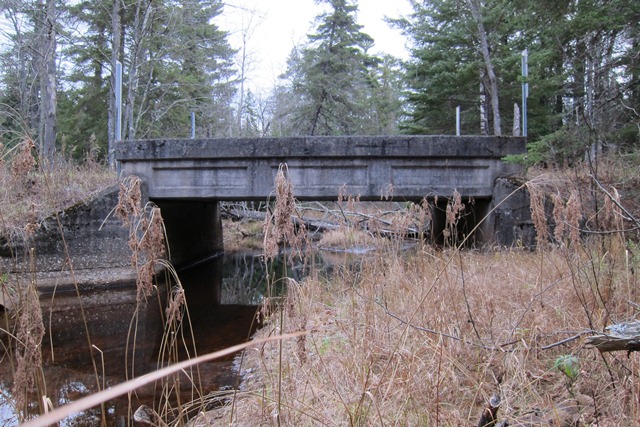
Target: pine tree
point(583, 71)
point(191, 70)
point(83, 105)
point(445, 69)
point(329, 75)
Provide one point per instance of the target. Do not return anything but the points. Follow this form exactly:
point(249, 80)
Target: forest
point(434, 335)
point(58, 58)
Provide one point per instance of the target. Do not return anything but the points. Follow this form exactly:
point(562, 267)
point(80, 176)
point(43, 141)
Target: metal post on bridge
point(458, 120)
point(525, 89)
point(118, 130)
point(117, 137)
point(193, 125)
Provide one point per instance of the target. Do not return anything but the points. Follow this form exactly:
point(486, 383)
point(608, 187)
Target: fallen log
point(618, 337)
point(235, 213)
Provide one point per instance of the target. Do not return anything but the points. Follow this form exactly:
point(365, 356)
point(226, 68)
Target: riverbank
point(429, 338)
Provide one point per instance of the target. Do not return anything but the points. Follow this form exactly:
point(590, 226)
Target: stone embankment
point(84, 245)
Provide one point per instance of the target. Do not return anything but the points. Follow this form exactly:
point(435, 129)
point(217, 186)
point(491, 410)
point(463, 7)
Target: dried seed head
point(28, 353)
point(129, 200)
point(611, 215)
point(538, 214)
point(146, 233)
point(559, 216)
point(175, 305)
point(574, 216)
point(279, 228)
point(23, 162)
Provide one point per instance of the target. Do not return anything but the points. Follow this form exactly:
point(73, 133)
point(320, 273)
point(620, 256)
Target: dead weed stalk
point(416, 339)
point(28, 195)
point(147, 241)
point(146, 233)
point(28, 378)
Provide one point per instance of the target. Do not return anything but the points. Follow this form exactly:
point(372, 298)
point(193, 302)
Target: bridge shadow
point(452, 225)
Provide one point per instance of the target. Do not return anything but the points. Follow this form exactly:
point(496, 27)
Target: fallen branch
point(324, 225)
point(433, 331)
point(620, 337)
point(566, 340)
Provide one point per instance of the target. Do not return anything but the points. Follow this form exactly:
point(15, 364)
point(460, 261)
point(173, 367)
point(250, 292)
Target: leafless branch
point(629, 216)
point(567, 340)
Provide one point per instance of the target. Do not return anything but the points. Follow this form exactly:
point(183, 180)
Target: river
point(223, 296)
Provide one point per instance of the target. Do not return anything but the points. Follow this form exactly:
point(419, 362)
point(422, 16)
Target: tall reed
point(429, 336)
point(28, 195)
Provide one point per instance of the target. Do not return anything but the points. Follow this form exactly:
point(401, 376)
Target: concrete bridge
point(319, 167)
point(188, 177)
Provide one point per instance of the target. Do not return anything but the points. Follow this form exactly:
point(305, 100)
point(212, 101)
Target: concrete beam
point(372, 167)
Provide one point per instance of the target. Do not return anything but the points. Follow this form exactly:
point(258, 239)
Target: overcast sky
point(275, 26)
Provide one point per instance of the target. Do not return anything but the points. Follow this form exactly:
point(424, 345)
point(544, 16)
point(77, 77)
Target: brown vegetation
point(28, 194)
point(426, 336)
point(26, 191)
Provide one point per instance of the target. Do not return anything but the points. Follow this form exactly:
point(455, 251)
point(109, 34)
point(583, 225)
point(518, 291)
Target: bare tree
point(244, 61)
point(116, 31)
point(48, 80)
point(474, 5)
point(142, 21)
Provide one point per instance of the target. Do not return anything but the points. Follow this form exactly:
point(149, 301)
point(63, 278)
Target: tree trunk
point(493, 82)
point(48, 83)
point(140, 26)
point(516, 120)
point(484, 112)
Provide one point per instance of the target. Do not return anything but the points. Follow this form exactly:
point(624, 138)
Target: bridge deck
point(404, 167)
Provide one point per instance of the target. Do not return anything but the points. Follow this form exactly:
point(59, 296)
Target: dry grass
point(347, 238)
point(27, 196)
point(28, 378)
point(427, 337)
point(26, 191)
point(420, 337)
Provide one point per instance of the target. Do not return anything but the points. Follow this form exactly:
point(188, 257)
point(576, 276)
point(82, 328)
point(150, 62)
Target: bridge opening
point(194, 237)
point(452, 224)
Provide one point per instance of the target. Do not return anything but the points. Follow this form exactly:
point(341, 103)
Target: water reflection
point(223, 294)
point(248, 278)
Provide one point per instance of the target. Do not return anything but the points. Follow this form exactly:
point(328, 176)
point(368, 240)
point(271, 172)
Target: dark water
point(223, 295)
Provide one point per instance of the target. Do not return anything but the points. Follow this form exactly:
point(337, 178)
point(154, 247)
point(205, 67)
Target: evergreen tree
point(175, 61)
point(84, 104)
point(383, 106)
point(330, 75)
point(444, 71)
point(189, 69)
point(583, 71)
